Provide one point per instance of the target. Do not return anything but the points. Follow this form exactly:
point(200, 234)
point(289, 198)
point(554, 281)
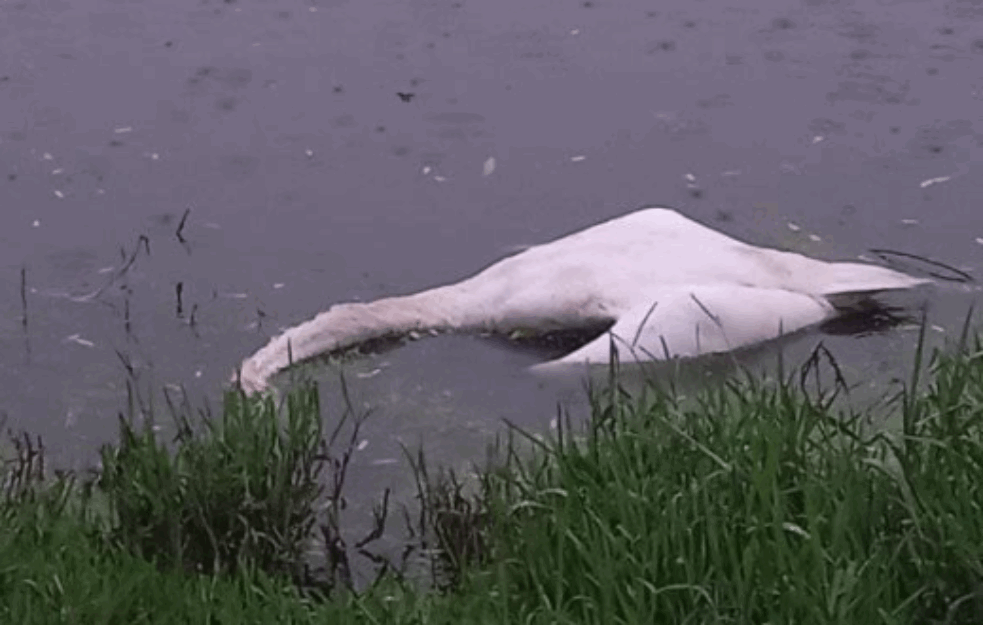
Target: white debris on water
point(309, 153)
point(794, 227)
point(909, 222)
point(59, 194)
point(55, 172)
point(37, 223)
point(78, 340)
point(439, 178)
point(690, 178)
point(123, 129)
point(47, 156)
point(818, 139)
point(931, 181)
point(278, 285)
point(575, 31)
point(815, 238)
point(426, 170)
point(489, 166)
point(979, 240)
point(577, 159)
point(362, 444)
point(369, 374)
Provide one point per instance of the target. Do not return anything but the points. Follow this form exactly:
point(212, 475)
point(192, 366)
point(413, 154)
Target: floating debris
point(690, 178)
point(123, 129)
point(77, 339)
point(37, 223)
point(978, 239)
point(362, 444)
point(818, 139)
point(577, 159)
point(278, 285)
point(426, 170)
point(59, 194)
point(575, 31)
point(909, 222)
point(439, 178)
point(815, 238)
point(794, 227)
point(47, 156)
point(731, 172)
point(369, 374)
point(489, 167)
point(938, 328)
point(55, 172)
point(309, 153)
point(788, 167)
point(931, 181)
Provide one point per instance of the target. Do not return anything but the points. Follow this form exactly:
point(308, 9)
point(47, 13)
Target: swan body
point(671, 287)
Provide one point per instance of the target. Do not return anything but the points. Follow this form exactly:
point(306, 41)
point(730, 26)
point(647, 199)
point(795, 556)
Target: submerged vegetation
point(759, 501)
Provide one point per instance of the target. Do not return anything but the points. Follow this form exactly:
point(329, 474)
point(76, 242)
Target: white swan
point(671, 287)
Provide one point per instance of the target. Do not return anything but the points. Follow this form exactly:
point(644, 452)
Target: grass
point(761, 501)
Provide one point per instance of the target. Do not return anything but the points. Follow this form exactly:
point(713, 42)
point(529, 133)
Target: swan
point(666, 287)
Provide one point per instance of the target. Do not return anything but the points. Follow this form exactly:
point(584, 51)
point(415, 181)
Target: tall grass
point(759, 501)
point(751, 503)
point(241, 488)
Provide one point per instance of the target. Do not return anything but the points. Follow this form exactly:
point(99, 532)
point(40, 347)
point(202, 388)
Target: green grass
point(760, 501)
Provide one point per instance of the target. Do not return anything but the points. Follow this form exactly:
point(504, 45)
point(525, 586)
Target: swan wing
point(693, 321)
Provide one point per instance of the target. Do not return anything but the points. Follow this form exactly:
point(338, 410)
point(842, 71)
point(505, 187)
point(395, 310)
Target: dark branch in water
point(23, 296)
point(956, 275)
point(23, 306)
point(180, 226)
point(193, 320)
point(126, 317)
point(178, 289)
point(119, 273)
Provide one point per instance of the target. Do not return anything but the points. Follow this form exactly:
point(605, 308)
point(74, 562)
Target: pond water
point(314, 152)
